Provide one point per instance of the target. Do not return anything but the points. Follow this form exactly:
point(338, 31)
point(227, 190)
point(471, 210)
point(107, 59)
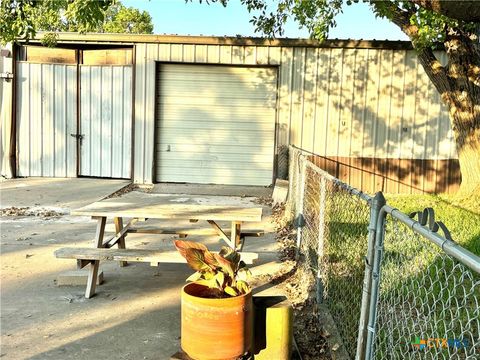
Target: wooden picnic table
point(140, 206)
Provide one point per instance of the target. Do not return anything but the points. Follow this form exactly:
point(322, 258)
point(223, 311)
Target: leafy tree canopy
point(23, 18)
point(120, 19)
point(425, 21)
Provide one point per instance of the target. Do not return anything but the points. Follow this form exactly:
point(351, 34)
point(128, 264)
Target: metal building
point(215, 110)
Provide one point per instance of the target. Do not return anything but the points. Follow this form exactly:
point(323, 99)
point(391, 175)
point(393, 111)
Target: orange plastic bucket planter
point(215, 329)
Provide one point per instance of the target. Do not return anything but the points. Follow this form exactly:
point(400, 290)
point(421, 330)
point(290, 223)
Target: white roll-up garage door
point(215, 124)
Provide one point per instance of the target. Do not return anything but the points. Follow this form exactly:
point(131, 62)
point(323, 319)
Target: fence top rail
point(336, 181)
point(450, 247)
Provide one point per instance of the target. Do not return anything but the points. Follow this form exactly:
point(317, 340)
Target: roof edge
point(225, 40)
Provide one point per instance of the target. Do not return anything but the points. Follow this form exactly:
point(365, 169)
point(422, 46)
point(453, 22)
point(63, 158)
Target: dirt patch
point(35, 211)
point(264, 200)
point(298, 285)
point(130, 188)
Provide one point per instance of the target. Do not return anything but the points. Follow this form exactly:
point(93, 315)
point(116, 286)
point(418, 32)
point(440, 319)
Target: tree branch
point(434, 69)
point(463, 10)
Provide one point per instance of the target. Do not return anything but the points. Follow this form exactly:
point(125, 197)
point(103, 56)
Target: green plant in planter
point(223, 273)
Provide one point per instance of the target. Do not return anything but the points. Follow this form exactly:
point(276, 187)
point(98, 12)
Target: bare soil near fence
point(298, 284)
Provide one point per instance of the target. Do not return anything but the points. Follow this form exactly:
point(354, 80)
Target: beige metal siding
point(215, 124)
point(106, 120)
point(375, 103)
point(46, 116)
point(6, 88)
point(334, 102)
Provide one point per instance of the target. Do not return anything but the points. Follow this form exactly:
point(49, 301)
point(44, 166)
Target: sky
point(177, 17)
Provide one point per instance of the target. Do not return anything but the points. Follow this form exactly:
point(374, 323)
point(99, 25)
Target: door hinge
point(7, 76)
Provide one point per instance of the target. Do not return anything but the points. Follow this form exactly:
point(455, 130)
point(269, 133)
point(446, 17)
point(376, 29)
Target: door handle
point(78, 136)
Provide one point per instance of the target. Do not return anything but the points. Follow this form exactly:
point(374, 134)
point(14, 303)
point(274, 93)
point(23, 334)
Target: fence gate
point(105, 120)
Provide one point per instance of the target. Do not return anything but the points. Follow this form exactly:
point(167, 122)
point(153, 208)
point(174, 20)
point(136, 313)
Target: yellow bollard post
point(273, 327)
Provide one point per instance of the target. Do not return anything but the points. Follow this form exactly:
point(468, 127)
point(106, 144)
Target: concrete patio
point(136, 312)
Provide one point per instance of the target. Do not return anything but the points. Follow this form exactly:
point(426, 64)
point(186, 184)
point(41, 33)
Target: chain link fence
point(332, 220)
point(391, 285)
point(428, 301)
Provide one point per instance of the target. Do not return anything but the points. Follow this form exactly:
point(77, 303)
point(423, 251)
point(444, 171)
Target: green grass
point(417, 279)
point(464, 225)
point(419, 282)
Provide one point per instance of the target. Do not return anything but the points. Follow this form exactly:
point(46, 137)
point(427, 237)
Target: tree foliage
point(432, 18)
point(120, 19)
point(21, 19)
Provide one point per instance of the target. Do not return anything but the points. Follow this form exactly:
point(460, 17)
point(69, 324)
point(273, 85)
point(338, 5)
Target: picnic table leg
point(118, 221)
point(93, 271)
point(235, 235)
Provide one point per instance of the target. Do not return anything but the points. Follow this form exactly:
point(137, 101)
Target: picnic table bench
point(140, 207)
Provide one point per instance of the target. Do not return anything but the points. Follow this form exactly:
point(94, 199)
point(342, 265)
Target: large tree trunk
point(465, 123)
point(463, 100)
point(458, 82)
point(459, 85)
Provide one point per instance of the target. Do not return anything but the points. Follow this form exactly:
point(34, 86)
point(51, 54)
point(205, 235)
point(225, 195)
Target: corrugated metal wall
point(46, 116)
point(334, 102)
point(6, 88)
point(106, 121)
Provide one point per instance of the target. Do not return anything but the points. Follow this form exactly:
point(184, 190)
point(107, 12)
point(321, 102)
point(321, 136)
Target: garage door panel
point(193, 102)
point(217, 172)
point(224, 89)
point(235, 124)
point(218, 164)
point(202, 156)
point(215, 124)
point(216, 150)
point(231, 179)
point(204, 137)
point(247, 115)
point(222, 73)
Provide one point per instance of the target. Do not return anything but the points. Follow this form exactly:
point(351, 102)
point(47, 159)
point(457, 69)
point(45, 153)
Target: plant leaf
point(230, 254)
point(225, 251)
point(230, 291)
point(182, 246)
point(226, 265)
point(243, 274)
point(195, 276)
point(208, 275)
point(210, 259)
point(196, 260)
point(212, 283)
point(242, 287)
point(220, 278)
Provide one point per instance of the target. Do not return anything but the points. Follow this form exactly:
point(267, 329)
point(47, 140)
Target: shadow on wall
point(393, 175)
point(373, 118)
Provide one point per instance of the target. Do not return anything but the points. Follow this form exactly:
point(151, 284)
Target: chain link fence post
point(321, 237)
point(376, 204)
point(299, 218)
point(375, 279)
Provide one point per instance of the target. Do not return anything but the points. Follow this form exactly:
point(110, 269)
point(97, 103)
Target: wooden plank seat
point(142, 229)
point(93, 256)
point(85, 256)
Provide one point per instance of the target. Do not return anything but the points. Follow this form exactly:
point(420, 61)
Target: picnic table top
point(159, 206)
